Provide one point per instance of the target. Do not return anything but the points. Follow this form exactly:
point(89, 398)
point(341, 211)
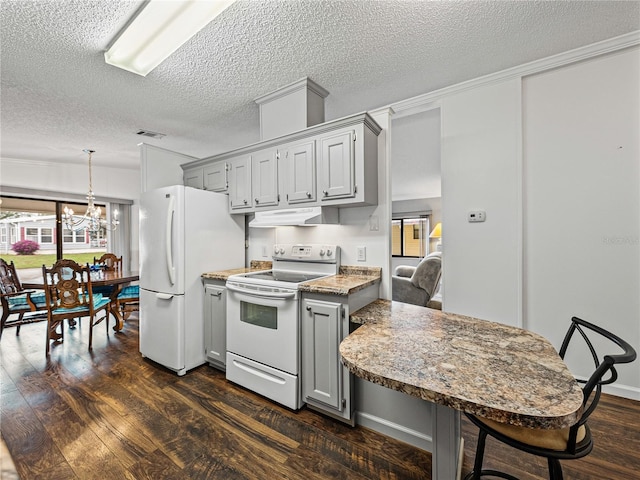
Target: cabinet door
point(337, 165)
point(300, 173)
point(215, 324)
point(264, 178)
point(240, 184)
point(321, 368)
point(215, 177)
point(193, 178)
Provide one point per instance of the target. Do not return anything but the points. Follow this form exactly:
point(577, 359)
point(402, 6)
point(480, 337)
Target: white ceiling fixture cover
point(158, 30)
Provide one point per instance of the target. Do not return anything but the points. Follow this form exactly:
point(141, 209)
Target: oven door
point(262, 325)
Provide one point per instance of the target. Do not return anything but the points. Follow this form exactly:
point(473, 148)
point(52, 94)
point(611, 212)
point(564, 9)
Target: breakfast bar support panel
point(446, 440)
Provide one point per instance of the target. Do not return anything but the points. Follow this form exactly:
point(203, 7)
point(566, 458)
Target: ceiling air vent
point(148, 133)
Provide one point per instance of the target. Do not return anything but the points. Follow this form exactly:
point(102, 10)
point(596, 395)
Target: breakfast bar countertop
point(485, 368)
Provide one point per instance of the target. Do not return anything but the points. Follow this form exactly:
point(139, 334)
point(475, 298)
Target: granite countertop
point(348, 281)
point(255, 266)
point(485, 368)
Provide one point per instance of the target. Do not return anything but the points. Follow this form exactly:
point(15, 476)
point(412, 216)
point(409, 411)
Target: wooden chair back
point(28, 305)
point(110, 261)
point(68, 285)
point(9, 281)
point(70, 295)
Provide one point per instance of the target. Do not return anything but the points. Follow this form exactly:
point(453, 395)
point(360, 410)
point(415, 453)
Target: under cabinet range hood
point(300, 217)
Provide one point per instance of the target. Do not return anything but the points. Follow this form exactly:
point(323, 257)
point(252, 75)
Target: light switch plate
point(362, 254)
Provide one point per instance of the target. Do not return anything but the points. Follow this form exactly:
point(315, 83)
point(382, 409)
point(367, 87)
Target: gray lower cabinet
point(215, 323)
point(327, 385)
point(321, 335)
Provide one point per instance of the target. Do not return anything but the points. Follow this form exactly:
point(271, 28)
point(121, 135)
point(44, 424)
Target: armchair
point(418, 284)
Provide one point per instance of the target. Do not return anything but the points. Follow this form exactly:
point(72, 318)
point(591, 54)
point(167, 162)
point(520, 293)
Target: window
point(46, 235)
point(72, 236)
point(31, 234)
point(410, 236)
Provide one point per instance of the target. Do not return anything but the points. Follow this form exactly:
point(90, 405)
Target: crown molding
point(303, 83)
point(429, 100)
point(40, 194)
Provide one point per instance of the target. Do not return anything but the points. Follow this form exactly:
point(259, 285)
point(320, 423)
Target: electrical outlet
point(362, 254)
point(264, 251)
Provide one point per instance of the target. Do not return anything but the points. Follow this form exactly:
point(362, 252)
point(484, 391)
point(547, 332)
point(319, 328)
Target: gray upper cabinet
point(334, 163)
point(240, 184)
point(216, 176)
point(193, 178)
point(337, 165)
point(264, 178)
point(299, 173)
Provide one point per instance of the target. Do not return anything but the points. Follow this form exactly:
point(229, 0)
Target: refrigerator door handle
point(164, 296)
point(169, 228)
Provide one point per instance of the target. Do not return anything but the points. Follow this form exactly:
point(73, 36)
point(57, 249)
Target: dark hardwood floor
point(112, 414)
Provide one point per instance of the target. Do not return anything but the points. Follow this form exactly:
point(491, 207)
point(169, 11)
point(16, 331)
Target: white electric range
point(263, 320)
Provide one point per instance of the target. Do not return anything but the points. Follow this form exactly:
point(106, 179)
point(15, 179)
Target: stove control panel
point(306, 252)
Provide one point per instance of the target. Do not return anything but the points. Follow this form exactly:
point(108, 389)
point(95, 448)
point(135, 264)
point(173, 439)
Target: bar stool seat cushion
point(555, 439)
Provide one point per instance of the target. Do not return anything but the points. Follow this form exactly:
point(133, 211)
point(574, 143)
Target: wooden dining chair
point(70, 296)
point(567, 443)
point(109, 261)
point(128, 300)
point(28, 305)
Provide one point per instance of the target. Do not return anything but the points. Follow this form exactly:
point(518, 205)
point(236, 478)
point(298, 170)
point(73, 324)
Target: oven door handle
point(254, 293)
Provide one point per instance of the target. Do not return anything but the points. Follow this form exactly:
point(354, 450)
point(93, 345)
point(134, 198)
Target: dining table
point(461, 364)
point(118, 279)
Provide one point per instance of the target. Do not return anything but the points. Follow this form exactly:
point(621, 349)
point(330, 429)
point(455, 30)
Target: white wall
point(60, 177)
point(481, 171)
point(160, 167)
point(415, 152)
point(63, 178)
point(582, 199)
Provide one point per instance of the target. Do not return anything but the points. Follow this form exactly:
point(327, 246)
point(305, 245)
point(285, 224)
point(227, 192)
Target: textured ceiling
point(58, 95)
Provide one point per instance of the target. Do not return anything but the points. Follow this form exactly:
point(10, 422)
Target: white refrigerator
point(184, 232)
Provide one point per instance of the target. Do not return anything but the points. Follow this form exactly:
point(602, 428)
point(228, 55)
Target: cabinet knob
point(245, 202)
point(325, 193)
point(308, 194)
point(257, 201)
point(308, 308)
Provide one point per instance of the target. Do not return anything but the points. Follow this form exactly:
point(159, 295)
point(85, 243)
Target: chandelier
point(92, 219)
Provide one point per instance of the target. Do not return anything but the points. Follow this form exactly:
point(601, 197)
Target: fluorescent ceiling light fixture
point(158, 30)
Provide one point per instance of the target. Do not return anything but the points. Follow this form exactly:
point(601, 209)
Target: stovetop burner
point(292, 265)
point(284, 276)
